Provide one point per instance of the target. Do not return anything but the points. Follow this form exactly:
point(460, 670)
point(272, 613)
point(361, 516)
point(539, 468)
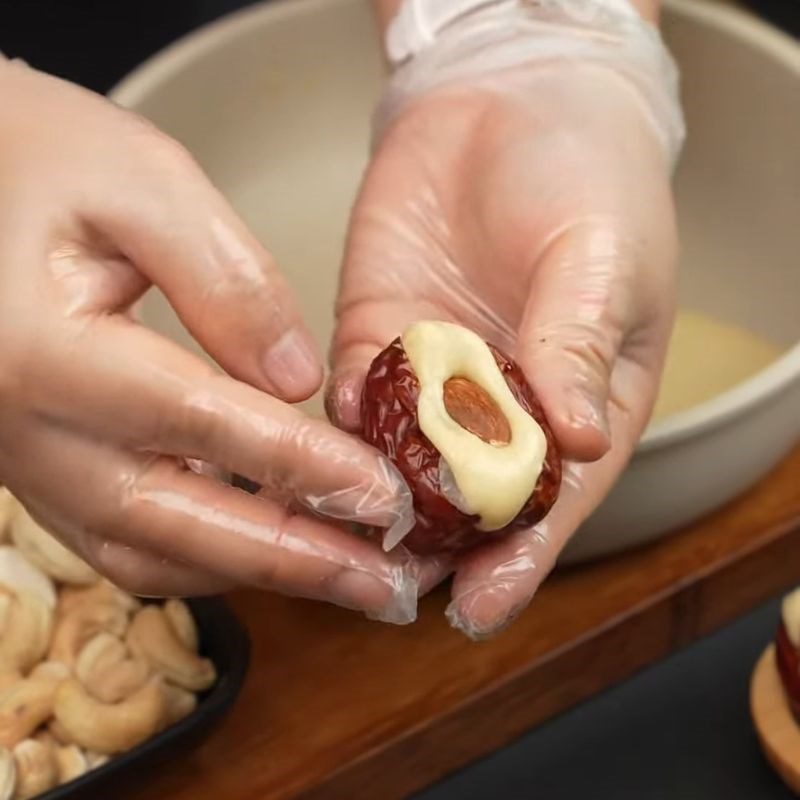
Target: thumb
point(580, 307)
point(182, 234)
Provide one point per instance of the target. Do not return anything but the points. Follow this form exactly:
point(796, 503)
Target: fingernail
point(460, 622)
point(392, 598)
point(293, 365)
point(480, 630)
point(207, 470)
point(343, 402)
point(402, 607)
point(585, 412)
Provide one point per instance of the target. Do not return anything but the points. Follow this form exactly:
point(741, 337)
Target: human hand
point(101, 416)
point(520, 186)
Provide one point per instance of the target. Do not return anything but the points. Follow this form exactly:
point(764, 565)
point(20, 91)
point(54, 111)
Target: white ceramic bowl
point(274, 102)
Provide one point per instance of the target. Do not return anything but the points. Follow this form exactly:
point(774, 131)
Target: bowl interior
point(275, 104)
point(737, 185)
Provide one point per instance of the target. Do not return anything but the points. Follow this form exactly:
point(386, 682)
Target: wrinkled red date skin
point(389, 416)
point(788, 663)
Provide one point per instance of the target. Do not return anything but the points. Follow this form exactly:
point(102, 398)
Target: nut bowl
point(224, 641)
point(274, 102)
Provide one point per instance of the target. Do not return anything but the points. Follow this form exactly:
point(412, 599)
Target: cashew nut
point(83, 623)
point(180, 703)
point(8, 774)
point(105, 667)
point(46, 552)
point(8, 506)
point(96, 760)
point(6, 599)
point(46, 738)
point(71, 597)
point(71, 763)
point(182, 621)
point(9, 678)
point(37, 771)
point(23, 708)
point(109, 727)
point(57, 731)
point(18, 574)
point(116, 671)
point(27, 622)
point(55, 671)
point(153, 638)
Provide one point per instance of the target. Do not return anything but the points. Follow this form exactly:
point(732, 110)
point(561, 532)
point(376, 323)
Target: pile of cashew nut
point(86, 670)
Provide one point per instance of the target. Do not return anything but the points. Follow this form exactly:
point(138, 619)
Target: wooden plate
point(777, 729)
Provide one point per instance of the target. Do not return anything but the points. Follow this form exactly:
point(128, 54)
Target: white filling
point(495, 482)
point(790, 611)
point(450, 490)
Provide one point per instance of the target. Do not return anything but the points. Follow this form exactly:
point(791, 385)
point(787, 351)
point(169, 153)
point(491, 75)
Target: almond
point(472, 408)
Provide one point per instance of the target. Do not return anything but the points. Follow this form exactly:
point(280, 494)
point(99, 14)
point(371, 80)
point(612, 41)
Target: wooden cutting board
point(338, 707)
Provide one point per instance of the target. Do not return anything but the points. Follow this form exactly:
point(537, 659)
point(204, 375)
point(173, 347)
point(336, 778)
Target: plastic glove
point(520, 186)
point(99, 414)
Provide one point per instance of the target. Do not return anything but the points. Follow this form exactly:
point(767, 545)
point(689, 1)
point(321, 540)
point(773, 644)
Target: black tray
point(224, 640)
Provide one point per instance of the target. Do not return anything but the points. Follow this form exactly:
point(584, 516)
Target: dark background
point(95, 42)
point(679, 731)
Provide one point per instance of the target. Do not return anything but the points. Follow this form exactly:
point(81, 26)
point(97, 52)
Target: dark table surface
point(679, 731)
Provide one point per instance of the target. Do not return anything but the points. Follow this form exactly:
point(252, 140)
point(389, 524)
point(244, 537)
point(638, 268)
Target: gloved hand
point(520, 185)
point(100, 417)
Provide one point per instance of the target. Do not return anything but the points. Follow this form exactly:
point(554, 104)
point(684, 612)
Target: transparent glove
point(520, 185)
point(103, 421)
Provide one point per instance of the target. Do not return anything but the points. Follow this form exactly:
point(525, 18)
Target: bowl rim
point(738, 23)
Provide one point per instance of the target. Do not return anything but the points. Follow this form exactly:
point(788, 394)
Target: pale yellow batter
point(707, 357)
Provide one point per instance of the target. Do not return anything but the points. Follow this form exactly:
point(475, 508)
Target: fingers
point(226, 288)
point(494, 584)
point(351, 358)
point(148, 575)
point(363, 329)
point(582, 304)
point(146, 393)
point(432, 572)
point(102, 500)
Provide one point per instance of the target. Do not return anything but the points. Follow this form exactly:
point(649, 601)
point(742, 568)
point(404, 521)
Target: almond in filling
point(493, 448)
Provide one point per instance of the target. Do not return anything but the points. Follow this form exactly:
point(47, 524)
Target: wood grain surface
point(338, 707)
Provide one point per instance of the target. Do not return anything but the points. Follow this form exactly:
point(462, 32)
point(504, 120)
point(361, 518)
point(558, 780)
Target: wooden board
point(337, 707)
